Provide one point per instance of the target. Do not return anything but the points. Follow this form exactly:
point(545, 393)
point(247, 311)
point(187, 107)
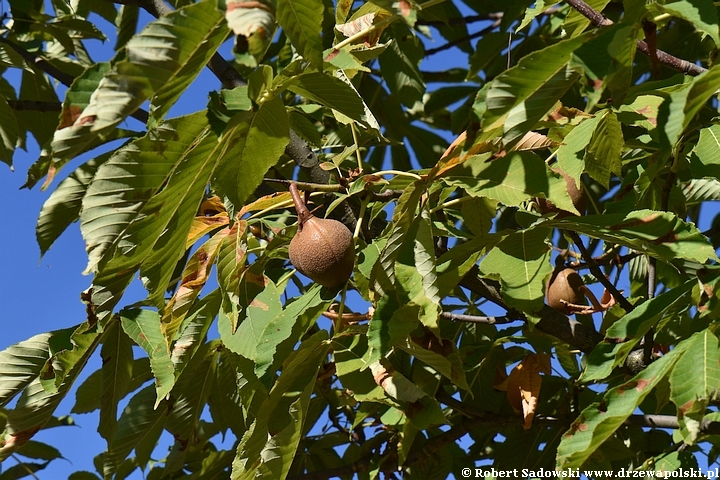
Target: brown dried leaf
point(534, 141)
point(523, 385)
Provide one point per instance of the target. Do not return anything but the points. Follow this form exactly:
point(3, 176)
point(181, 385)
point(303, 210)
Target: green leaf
point(522, 262)
point(702, 14)
point(329, 91)
point(143, 326)
point(301, 21)
point(80, 92)
point(158, 64)
point(603, 153)
point(86, 397)
point(681, 106)
point(626, 333)
point(252, 143)
point(35, 406)
point(194, 330)
point(140, 206)
point(400, 66)
point(598, 422)
point(519, 97)
point(511, 180)
point(139, 428)
point(8, 132)
point(267, 325)
point(40, 451)
point(707, 151)
point(415, 271)
point(117, 372)
point(382, 276)
point(268, 448)
point(191, 393)
point(659, 234)
point(390, 325)
point(21, 363)
point(572, 152)
point(696, 375)
point(64, 205)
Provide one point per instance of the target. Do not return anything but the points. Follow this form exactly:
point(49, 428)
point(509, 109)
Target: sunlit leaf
point(522, 262)
point(659, 234)
point(268, 448)
point(301, 21)
point(143, 326)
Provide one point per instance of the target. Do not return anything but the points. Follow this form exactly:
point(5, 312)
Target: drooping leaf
point(8, 132)
point(623, 336)
point(152, 205)
point(598, 422)
point(696, 375)
point(143, 327)
point(35, 406)
point(117, 372)
point(522, 95)
point(64, 205)
point(21, 363)
point(400, 65)
point(681, 106)
point(194, 277)
point(268, 448)
point(700, 13)
point(159, 63)
point(383, 272)
point(191, 393)
point(139, 428)
point(301, 21)
point(193, 330)
point(603, 153)
point(390, 324)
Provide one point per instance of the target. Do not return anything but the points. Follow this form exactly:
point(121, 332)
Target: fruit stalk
point(302, 211)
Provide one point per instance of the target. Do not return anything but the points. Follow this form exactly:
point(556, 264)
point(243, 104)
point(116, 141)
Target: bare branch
point(462, 40)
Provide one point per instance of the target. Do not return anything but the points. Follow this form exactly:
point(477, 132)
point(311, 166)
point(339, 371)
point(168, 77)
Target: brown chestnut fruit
point(565, 287)
point(322, 249)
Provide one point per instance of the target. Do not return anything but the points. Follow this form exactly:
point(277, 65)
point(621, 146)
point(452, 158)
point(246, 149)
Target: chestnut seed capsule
point(567, 286)
point(322, 249)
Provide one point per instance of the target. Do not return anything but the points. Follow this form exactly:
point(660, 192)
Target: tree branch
point(36, 106)
point(467, 38)
point(551, 321)
point(670, 61)
point(595, 269)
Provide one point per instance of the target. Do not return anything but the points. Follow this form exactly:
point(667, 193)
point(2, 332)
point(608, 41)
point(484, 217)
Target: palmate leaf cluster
point(415, 373)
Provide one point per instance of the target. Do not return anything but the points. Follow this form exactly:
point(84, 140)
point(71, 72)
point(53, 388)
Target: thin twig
point(35, 106)
point(595, 269)
point(456, 317)
point(670, 61)
point(462, 40)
